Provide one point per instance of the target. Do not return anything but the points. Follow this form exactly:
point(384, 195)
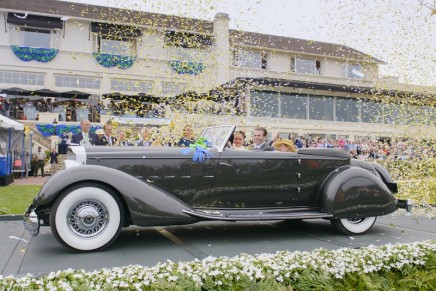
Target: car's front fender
point(355, 192)
point(147, 204)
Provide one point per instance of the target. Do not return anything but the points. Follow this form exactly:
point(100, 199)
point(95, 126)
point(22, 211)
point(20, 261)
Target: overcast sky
point(399, 32)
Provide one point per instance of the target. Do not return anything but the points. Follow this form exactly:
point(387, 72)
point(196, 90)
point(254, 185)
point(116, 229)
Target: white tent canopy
point(9, 123)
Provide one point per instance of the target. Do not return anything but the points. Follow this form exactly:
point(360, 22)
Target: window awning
point(118, 31)
point(34, 21)
point(187, 39)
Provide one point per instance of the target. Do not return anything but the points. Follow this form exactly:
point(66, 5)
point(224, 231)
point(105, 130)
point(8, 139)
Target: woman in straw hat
point(284, 145)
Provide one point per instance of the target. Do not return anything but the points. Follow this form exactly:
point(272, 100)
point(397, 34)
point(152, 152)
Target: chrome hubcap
point(87, 218)
point(356, 220)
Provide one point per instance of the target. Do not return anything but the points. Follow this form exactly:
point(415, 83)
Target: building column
point(222, 48)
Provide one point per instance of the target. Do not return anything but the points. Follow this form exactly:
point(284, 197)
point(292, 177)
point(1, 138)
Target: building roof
point(171, 22)
point(107, 14)
point(297, 45)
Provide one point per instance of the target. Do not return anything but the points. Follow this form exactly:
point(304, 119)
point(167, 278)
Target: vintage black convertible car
point(103, 189)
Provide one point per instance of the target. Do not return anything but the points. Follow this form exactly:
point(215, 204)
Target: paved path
point(30, 181)
point(21, 254)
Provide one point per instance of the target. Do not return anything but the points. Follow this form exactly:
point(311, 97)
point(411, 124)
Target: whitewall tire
point(353, 226)
point(86, 217)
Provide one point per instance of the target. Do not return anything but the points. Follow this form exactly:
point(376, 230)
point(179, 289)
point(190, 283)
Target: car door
point(194, 178)
point(253, 179)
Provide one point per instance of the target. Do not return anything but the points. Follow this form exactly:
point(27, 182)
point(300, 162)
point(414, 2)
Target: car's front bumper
point(31, 221)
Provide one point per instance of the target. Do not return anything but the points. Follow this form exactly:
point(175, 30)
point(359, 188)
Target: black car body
point(105, 188)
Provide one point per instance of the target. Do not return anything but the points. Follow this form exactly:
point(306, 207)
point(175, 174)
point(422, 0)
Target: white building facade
point(286, 84)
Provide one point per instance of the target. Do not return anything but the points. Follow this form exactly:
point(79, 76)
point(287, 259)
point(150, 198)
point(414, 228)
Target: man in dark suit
point(85, 137)
point(107, 138)
point(260, 143)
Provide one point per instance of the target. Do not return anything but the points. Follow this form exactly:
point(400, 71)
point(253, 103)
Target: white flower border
point(225, 271)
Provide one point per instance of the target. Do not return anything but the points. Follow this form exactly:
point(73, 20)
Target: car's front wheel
point(86, 217)
point(353, 226)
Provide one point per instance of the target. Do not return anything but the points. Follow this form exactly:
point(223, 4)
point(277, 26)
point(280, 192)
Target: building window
point(114, 39)
point(34, 30)
point(308, 66)
point(394, 114)
point(107, 44)
point(321, 107)
point(131, 85)
point(250, 59)
point(21, 78)
point(292, 68)
point(173, 88)
point(264, 104)
point(293, 106)
point(355, 72)
point(431, 113)
point(371, 112)
point(77, 82)
point(347, 109)
point(418, 115)
point(34, 37)
point(264, 64)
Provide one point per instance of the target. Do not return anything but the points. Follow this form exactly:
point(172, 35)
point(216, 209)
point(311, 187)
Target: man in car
point(107, 138)
point(85, 137)
point(260, 143)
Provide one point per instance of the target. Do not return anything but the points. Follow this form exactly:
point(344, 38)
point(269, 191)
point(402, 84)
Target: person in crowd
point(188, 137)
point(7, 107)
point(353, 153)
point(18, 163)
point(27, 162)
point(284, 145)
point(85, 137)
point(260, 144)
point(40, 161)
point(100, 133)
point(275, 137)
point(239, 140)
point(123, 139)
point(107, 138)
point(364, 155)
point(53, 160)
point(348, 145)
point(145, 138)
point(299, 141)
point(64, 141)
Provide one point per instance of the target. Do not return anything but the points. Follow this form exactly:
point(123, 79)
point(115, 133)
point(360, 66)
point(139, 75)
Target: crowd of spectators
point(402, 149)
point(76, 110)
point(69, 110)
point(405, 149)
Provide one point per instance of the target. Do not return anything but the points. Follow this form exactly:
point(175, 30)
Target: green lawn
point(16, 199)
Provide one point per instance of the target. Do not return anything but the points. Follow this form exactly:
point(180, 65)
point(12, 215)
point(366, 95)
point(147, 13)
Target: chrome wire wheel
point(88, 218)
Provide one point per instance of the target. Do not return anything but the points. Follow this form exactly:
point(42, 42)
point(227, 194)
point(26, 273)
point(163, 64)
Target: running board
point(217, 215)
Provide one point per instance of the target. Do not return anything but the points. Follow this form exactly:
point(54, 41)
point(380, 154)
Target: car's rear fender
point(350, 192)
point(147, 204)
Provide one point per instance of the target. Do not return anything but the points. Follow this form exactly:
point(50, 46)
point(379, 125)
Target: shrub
point(401, 266)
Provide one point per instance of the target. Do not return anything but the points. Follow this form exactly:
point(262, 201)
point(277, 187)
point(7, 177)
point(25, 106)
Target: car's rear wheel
point(86, 217)
point(353, 226)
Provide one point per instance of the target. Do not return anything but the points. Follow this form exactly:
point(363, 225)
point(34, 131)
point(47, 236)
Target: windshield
point(217, 136)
